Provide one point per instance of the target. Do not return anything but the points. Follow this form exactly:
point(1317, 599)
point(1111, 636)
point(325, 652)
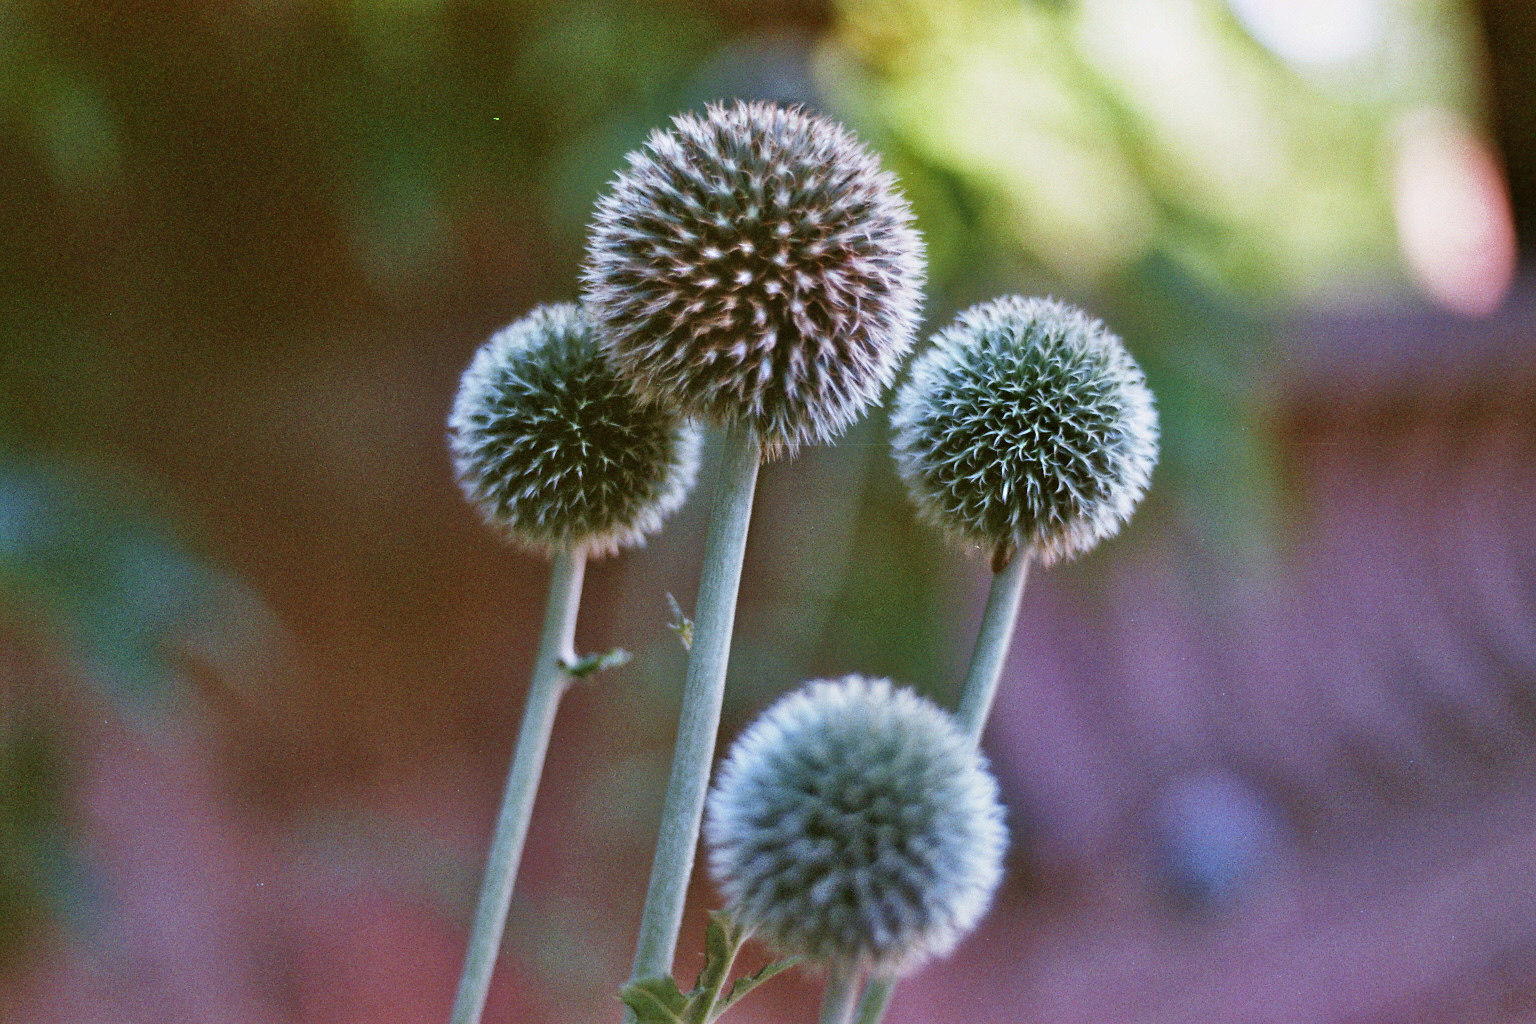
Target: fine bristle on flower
point(754, 265)
point(856, 825)
point(1026, 426)
point(556, 449)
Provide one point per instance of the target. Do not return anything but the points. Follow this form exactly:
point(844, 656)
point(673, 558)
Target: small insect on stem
point(681, 624)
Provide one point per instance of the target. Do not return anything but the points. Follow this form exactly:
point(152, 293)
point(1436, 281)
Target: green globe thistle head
point(856, 825)
point(1026, 425)
point(754, 265)
point(556, 449)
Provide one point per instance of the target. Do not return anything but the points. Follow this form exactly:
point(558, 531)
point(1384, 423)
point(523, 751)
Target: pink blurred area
point(213, 918)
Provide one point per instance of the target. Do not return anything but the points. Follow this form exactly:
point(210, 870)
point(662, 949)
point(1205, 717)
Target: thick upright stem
point(991, 651)
point(703, 693)
point(842, 994)
point(992, 644)
point(549, 682)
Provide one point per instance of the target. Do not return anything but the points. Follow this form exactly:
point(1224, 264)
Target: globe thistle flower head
point(856, 825)
point(556, 449)
point(1027, 424)
point(754, 265)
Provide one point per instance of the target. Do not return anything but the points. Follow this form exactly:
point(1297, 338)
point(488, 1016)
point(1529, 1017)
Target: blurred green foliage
point(96, 586)
point(1156, 161)
point(447, 111)
point(1089, 135)
point(38, 872)
point(98, 577)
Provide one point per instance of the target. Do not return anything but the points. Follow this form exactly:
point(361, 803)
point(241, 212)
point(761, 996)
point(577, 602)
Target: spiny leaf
point(655, 1001)
point(748, 982)
point(721, 944)
point(660, 1001)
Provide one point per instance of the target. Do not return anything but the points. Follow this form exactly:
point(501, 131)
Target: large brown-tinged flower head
point(556, 449)
point(754, 265)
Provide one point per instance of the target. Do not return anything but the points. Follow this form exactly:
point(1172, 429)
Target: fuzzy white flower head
point(556, 449)
point(755, 265)
point(856, 825)
point(1027, 424)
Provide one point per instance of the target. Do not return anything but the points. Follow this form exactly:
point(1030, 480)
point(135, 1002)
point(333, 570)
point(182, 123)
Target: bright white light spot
point(1312, 32)
point(1453, 217)
point(1172, 63)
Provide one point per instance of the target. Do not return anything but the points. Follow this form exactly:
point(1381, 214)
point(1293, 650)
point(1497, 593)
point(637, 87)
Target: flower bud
point(1027, 424)
point(556, 449)
point(856, 825)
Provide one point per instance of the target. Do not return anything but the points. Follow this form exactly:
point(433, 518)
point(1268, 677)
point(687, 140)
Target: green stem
point(991, 651)
point(703, 693)
point(877, 996)
point(842, 994)
point(992, 644)
point(549, 682)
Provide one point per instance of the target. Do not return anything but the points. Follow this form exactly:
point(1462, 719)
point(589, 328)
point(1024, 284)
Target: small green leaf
point(721, 942)
point(681, 624)
point(655, 1001)
point(660, 1001)
point(749, 982)
point(591, 663)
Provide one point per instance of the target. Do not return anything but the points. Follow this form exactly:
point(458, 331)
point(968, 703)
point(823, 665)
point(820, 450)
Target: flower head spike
point(556, 449)
point(1026, 425)
point(755, 265)
point(856, 825)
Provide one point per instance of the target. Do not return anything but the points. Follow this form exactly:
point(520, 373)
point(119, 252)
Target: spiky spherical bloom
point(755, 265)
point(556, 449)
point(1027, 424)
point(856, 825)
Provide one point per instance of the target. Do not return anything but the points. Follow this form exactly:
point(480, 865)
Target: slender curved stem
point(992, 643)
point(549, 682)
point(987, 659)
point(842, 994)
point(703, 693)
